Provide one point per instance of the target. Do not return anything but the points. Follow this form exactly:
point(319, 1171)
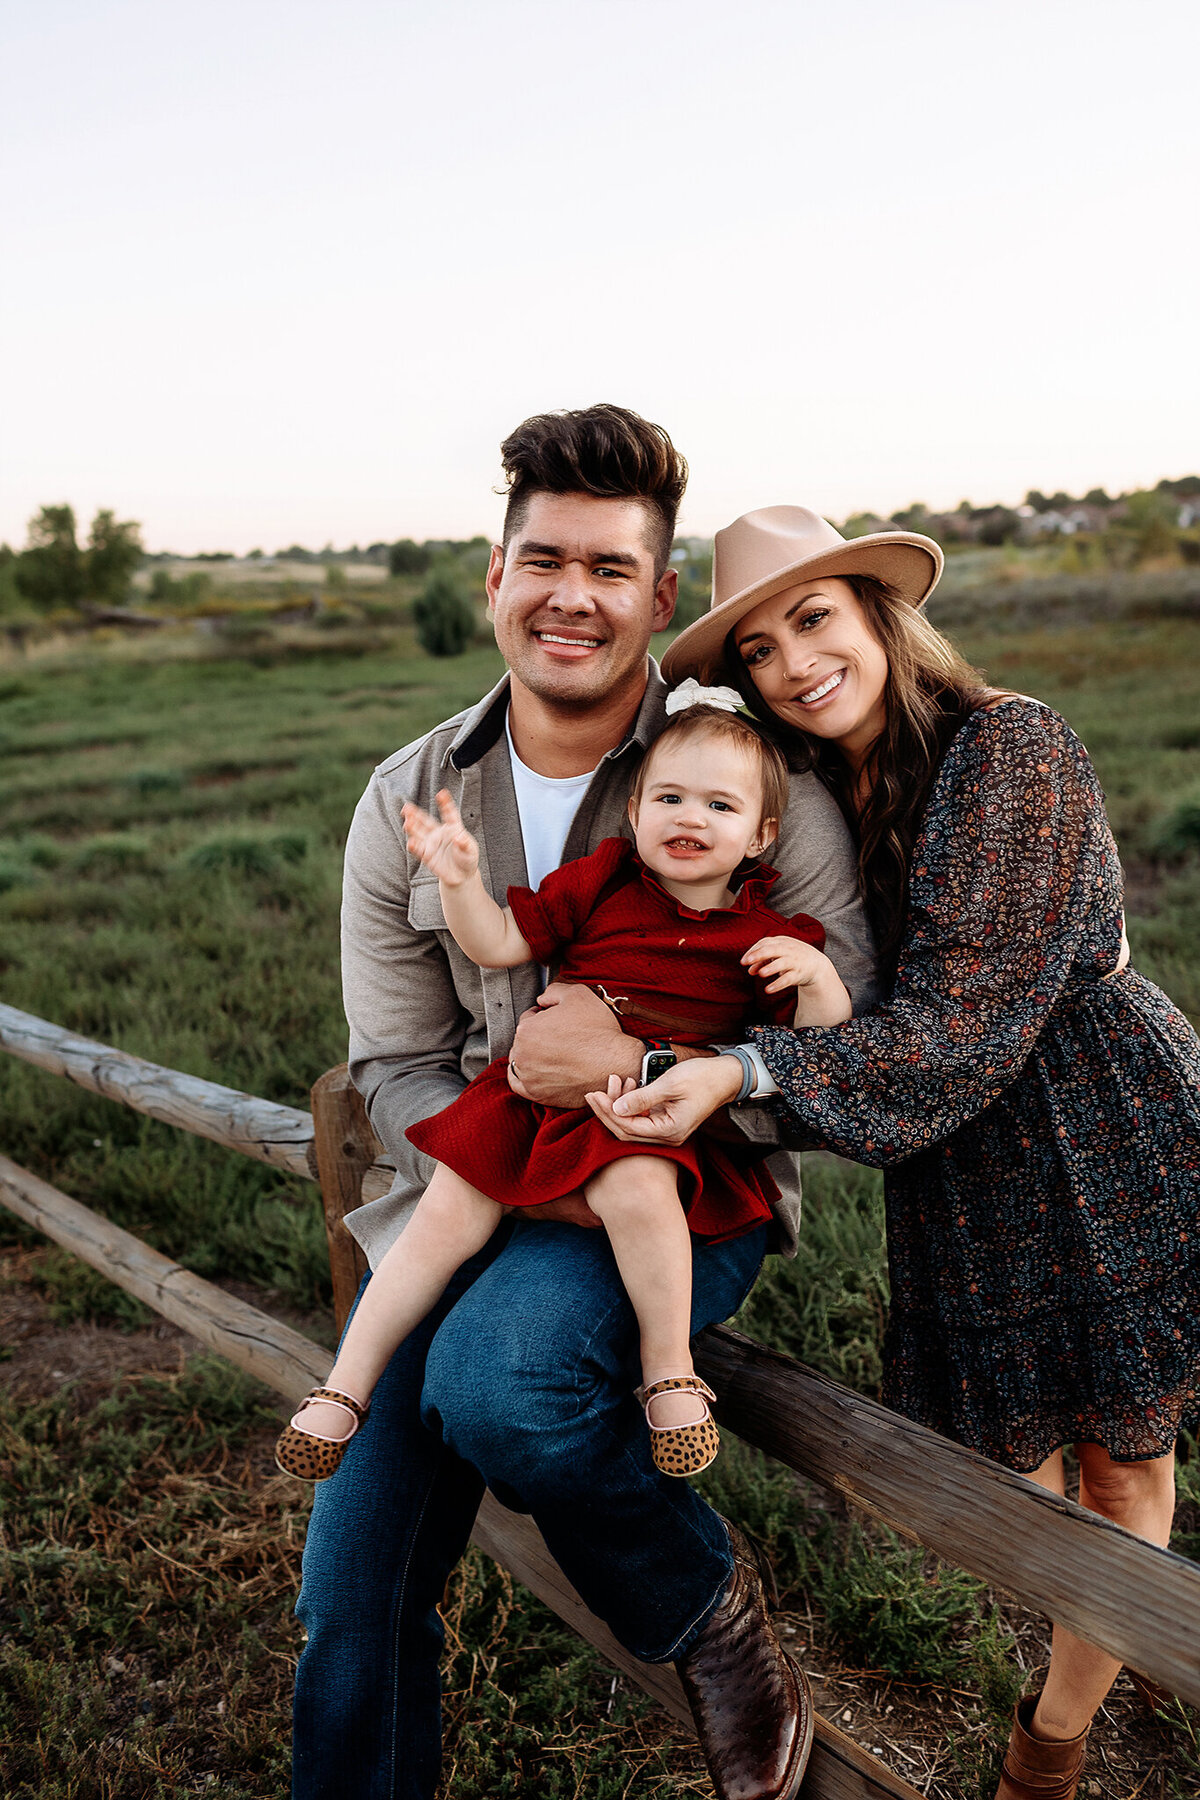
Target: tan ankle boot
point(1035, 1768)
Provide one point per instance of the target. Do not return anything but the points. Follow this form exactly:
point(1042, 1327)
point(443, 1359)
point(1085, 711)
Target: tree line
point(56, 573)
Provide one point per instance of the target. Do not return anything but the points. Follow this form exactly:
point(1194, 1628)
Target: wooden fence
point(1139, 1603)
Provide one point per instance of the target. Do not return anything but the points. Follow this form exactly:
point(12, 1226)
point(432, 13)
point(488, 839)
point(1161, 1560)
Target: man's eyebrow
point(624, 559)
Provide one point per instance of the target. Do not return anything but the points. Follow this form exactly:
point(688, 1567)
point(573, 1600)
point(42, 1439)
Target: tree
point(407, 558)
point(12, 602)
point(999, 527)
point(113, 553)
point(442, 611)
point(1150, 518)
point(54, 572)
point(50, 570)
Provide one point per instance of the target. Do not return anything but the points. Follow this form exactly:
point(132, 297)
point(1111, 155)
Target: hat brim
point(908, 562)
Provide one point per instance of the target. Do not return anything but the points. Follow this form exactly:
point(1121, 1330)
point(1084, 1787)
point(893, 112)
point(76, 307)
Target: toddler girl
point(681, 955)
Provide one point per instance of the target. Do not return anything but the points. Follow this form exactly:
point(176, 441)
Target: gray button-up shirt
point(424, 1019)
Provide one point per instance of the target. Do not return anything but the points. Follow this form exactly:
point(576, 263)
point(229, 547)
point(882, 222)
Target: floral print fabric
point(1037, 1116)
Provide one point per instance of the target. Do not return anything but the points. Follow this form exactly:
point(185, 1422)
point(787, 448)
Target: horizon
point(329, 548)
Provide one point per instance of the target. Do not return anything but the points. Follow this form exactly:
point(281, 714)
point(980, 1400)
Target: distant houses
point(1175, 504)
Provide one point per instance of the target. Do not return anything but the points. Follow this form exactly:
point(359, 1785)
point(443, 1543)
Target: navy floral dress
point(1037, 1115)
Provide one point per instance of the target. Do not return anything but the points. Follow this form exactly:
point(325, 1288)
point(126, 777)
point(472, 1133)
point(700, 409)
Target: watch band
point(757, 1081)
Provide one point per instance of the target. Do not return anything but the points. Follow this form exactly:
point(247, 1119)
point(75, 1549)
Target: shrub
point(109, 857)
point(443, 614)
point(407, 558)
point(146, 782)
point(892, 1612)
point(1179, 831)
point(243, 853)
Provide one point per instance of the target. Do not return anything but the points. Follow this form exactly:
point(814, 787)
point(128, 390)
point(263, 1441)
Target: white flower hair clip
point(690, 693)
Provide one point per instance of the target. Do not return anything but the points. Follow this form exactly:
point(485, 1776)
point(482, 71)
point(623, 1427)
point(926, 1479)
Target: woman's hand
point(447, 850)
point(672, 1108)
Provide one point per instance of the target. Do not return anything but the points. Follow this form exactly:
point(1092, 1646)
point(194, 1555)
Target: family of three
point(613, 952)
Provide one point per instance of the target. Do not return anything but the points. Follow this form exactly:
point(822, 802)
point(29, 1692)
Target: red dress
point(671, 972)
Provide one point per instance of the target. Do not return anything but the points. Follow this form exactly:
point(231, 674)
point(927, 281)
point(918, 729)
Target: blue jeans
point(521, 1380)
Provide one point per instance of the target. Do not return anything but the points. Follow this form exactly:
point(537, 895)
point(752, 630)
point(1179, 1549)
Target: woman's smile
point(823, 690)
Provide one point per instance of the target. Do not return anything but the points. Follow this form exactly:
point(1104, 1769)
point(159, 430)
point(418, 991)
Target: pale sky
point(283, 271)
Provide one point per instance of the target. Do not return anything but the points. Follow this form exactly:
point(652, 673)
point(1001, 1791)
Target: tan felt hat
point(764, 552)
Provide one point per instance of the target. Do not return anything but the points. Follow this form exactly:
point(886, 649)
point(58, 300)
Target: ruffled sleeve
point(1014, 856)
point(550, 919)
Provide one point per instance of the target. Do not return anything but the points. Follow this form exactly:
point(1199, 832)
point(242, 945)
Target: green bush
point(443, 614)
point(1178, 831)
point(112, 855)
point(407, 558)
point(245, 853)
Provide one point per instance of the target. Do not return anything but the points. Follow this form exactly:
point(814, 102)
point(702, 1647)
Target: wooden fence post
point(346, 1147)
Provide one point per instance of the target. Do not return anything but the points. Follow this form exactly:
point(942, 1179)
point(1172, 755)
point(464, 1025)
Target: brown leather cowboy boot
point(1035, 1768)
point(751, 1702)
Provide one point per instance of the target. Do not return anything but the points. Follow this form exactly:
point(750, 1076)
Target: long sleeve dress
point(1037, 1116)
point(668, 971)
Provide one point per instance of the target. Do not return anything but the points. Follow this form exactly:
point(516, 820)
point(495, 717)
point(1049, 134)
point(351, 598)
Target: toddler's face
point(701, 811)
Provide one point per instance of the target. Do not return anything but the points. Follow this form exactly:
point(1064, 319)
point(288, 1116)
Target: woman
point(1035, 1103)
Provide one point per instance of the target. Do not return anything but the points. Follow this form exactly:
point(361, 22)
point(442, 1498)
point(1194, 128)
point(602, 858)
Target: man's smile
point(581, 645)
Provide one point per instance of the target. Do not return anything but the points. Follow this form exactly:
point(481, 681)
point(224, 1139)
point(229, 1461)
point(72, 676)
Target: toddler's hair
point(714, 722)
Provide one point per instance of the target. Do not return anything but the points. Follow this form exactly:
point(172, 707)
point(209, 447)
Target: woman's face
point(816, 662)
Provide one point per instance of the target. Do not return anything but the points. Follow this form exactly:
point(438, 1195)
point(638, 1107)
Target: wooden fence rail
point(1046, 1552)
point(279, 1135)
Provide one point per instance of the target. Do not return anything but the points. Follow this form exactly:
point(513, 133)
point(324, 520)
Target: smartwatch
point(658, 1059)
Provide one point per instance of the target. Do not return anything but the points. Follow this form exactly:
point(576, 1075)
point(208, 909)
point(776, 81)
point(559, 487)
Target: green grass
point(171, 826)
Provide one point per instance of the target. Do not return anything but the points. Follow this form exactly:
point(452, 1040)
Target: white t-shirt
point(546, 806)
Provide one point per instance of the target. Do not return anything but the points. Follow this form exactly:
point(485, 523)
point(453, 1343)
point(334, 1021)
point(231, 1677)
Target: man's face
point(574, 600)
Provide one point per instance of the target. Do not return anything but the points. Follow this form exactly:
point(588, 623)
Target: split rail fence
point(1139, 1603)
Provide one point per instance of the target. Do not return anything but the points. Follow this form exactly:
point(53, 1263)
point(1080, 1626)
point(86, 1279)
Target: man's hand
point(447, 849)
point(568, 1043)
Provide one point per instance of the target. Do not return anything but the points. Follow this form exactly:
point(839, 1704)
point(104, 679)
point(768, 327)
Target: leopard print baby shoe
point(313, 1458)
point(682, 1449)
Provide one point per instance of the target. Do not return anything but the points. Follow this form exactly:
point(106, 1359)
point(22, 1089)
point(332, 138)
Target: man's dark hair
point(603, 450)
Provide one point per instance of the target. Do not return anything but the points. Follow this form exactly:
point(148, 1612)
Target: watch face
point(656, 1063)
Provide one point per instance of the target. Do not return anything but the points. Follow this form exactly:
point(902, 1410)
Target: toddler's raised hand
point(447, 849)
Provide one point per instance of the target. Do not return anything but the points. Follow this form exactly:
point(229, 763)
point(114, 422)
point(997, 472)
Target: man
point(522, 1378)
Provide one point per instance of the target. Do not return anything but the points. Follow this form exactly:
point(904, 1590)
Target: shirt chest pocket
point(425, 907)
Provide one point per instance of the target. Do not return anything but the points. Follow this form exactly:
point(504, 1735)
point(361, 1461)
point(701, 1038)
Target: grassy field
point(173, 813)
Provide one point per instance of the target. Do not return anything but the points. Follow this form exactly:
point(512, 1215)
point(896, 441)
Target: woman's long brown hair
point(930, 691)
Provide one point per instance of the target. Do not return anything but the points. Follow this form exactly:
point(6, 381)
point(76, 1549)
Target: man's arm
point(568, 1044)
point(818, 874)
point(405, 1016)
